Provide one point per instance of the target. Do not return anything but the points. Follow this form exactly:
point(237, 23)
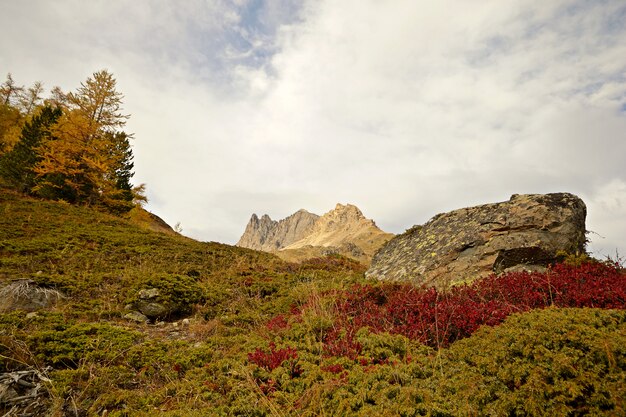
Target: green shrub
point(79, 343)
point(555, 362)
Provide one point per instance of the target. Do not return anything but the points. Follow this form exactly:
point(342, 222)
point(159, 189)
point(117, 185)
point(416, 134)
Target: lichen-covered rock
point(474, 242)
point(166, 296)
point(149, 304)
point(136, 316)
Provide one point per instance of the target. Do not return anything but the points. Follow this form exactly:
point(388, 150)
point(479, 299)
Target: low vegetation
point(256, 336)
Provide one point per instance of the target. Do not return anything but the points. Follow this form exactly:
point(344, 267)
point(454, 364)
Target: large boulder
point(164, 297)
point(463, 245)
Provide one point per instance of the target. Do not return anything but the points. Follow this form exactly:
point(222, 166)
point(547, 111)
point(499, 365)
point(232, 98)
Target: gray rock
point(526, 268)
point(352, 249)
point(152, 309)
point(154, 305)
point(149, 305)
point(471, 243)
point(330, 250)
point(136, 316)
point(149, 293)
point(27, 295)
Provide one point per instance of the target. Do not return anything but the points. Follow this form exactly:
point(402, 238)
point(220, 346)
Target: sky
point(405, 108)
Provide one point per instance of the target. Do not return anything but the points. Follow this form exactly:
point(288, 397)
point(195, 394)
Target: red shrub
point(335, 369)
point(438, 319)
point(339, 341)
point(278, 322)
point(274, 358)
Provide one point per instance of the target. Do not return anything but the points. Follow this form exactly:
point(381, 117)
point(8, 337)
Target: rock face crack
point(470, 243)
point(508, 228)
point(532, 255)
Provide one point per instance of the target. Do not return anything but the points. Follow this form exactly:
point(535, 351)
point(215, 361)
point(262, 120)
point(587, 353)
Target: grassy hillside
point(262, 337)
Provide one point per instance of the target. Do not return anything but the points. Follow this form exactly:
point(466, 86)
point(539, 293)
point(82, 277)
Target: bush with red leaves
point(277, 323)
point(272, 359)
point(437, 318)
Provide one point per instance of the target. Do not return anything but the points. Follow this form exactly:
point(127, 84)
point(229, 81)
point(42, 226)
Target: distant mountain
point(343, 230)
point(270, 235)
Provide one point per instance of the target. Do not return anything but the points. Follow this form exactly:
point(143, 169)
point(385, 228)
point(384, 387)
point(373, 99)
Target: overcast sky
point(405, 108)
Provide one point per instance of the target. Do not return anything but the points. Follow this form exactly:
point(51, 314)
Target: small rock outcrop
point(27, 295)
point(525, 232)
point(343, 230)
point(149, 305)
point(270, 235)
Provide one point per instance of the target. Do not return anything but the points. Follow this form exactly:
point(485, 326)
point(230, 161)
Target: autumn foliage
point(273, 358)
point(437, 318)
point(69, 147)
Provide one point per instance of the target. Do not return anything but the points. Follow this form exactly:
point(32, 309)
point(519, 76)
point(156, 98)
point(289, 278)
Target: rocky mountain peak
point(270, 235)
point(346, 212)
point(343, 227)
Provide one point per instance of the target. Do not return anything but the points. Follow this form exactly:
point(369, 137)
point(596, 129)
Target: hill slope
point(262, 337)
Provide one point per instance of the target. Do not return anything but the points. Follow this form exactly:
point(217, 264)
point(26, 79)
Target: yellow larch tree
point(81, 163)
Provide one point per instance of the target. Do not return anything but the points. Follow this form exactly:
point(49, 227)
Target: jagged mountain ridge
point(270, 235)
point(343, 230)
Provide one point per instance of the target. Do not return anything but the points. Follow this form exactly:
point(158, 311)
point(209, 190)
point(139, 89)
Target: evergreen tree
point(120, 198)
point(9, 91)
point(17, 165)
point(89, 159)
point(123, 168)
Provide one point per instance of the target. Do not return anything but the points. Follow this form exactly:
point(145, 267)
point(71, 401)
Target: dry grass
point(25, 294)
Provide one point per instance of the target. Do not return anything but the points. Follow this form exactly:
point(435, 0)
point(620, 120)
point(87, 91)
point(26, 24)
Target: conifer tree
point(88, 159)
point(17, 165)
point(17, 104)
point(9, 91)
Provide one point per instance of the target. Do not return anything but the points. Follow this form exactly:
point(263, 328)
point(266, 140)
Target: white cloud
point(606, 209)
point(404, 108)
